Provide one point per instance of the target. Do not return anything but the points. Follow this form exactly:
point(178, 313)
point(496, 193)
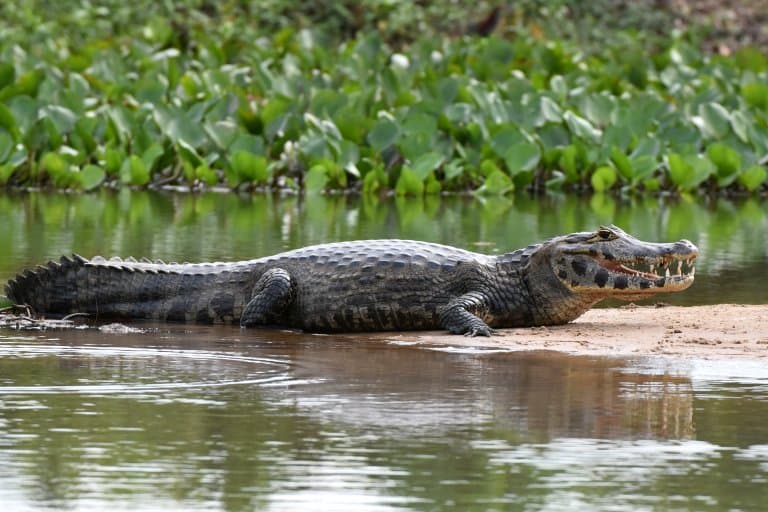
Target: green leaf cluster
point(150, 94)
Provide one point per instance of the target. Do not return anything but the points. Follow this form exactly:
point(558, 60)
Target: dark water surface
point(214, 418)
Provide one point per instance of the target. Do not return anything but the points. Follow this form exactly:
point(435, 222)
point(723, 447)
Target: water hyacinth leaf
point(603, 178)
point(134, 172)
point(753, 177)
point(248, 142)
point(177, 125)
point(7, 74)
point(6, 146)
point(316, 178)
point(384, 133)
point(425, 164)
point(409, 184)
point(24, 110)
point(598, 108)
point(755, 94)
point(186, 152)
point(714, 121)
point(496, 183)
point(8, 122)
point(222, 133)
point(206, 175)
point(581, 128)
point(53, 163)
point(648, 146)
point(642, 167)
point(63, 118)
point(6, 171)
point(521, 157)
point(152, 154)
point(549, 110)
point(740, 124)
point(249, 167)
point(505, 138)
point(622, 163)
point(688, 171)
point(91, 177)
point(453, 169)
point(726, 160)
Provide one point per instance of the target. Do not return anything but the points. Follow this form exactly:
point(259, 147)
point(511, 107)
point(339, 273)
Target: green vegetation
point(376, 97)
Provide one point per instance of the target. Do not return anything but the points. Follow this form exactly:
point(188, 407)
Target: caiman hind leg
point(272, 294)
point(460, 315)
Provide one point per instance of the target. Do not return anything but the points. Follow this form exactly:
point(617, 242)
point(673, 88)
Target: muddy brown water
point(175, 417)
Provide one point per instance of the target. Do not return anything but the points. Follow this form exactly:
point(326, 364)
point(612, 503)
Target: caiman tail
point(118, 288)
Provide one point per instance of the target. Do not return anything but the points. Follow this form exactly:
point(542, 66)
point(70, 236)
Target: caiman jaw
point(647, 267)
point(611, 263)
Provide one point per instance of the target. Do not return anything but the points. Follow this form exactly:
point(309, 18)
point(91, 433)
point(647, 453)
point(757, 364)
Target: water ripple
point(130, 368)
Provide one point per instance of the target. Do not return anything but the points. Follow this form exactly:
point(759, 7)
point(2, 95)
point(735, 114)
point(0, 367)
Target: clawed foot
point(483, 330)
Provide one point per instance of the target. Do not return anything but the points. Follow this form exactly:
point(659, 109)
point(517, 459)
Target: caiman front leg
point(460, 315)
point(272, 294)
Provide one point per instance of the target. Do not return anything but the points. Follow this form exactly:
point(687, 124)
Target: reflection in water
point(203, 418)
point(275, 420)
point(733, 237)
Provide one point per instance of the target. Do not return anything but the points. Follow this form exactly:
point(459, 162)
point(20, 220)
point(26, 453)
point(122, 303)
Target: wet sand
point(724, 330)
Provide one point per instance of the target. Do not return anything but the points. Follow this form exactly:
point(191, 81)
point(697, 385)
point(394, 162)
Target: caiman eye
point(606, 234)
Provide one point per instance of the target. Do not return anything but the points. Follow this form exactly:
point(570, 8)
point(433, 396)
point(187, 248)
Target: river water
point(184, 417)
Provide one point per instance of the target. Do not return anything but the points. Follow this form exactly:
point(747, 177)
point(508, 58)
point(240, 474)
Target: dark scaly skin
point(366, 285)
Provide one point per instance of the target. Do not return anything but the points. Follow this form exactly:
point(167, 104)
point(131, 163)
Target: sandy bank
point(724, 330)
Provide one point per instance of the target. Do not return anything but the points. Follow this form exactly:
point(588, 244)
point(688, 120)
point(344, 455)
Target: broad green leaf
point(247, 142)
point(550, 110)
point(6, 146)
point(753, 177)
point(569, 163)
point(521, 157)
point(756, 94)
point(496, 183)
point(8, 122)
point(714, 120)
point(453, 169)
point(740, 124)
point(249, 167)
point(91, 176)
point(316, 178)
point(622, 163)
point(425, 164)
point(505, 138)
point(642, 167)
point(222, 133)
point(688, 171)
point(54, 164)
point(384, 133)
point(598, 108)
point(409, 184)
point(581, 128)
point(7, 74)
point(185, 150)
point(6, 171)
point(348, 157)
point(177, 125)
point(150, 156)
point(206, 175)
point(603, 178)
point(134, 172)
point(726, 160)
point(63, 118)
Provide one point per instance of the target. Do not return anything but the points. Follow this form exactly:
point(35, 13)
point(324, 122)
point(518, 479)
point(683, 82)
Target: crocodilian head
point(611, 263)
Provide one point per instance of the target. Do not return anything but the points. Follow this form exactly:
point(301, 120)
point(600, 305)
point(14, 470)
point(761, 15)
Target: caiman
point(370, 285)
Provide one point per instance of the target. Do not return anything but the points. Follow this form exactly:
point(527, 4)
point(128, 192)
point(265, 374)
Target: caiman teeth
point(685, 267)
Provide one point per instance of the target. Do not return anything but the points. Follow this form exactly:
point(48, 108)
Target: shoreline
point(715, 331)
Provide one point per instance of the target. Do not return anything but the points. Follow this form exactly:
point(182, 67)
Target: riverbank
point(723, 330)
